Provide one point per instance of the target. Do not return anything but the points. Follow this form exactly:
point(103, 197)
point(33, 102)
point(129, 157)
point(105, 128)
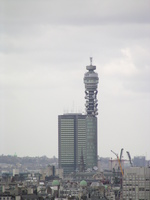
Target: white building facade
point(136, 183)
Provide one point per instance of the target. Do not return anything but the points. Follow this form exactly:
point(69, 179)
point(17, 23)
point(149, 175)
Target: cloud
point(75, 12)
point(128, 70)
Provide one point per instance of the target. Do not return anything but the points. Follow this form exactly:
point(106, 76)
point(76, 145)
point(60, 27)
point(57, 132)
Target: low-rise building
point(136, 183)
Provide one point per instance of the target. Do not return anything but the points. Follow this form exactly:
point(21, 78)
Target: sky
point(45, 46)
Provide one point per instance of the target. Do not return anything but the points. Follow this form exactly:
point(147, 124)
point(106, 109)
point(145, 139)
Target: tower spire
point(81, 165)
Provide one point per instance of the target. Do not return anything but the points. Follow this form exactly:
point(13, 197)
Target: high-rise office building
point(72, 141)
point(91, 81)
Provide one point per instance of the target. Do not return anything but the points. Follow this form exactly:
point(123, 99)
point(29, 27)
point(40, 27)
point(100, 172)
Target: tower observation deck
point(91, 81)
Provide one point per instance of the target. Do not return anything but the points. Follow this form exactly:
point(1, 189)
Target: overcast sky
point(44, 49)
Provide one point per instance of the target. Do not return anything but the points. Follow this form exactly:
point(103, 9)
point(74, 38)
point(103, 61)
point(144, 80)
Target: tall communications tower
point(91, 82)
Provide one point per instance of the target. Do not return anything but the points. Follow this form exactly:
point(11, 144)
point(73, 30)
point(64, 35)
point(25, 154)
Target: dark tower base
point(91, 141)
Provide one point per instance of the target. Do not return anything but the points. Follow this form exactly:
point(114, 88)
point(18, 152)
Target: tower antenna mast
point(91, 59)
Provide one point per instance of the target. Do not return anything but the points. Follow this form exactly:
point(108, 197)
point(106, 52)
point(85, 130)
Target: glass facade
point(72, 140)
point(81, 140)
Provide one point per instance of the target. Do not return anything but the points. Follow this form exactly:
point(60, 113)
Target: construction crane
point(119, 160)
point(129, 158)
point(121, 154)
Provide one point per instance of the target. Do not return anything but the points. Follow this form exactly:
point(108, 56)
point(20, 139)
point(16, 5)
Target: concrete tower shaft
point(91, 81)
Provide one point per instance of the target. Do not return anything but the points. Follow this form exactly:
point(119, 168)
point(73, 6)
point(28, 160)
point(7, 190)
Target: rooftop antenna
point(91, 60)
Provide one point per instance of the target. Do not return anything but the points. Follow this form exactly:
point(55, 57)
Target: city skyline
point(44, 48)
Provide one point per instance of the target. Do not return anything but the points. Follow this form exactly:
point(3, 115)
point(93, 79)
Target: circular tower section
point(91, 81)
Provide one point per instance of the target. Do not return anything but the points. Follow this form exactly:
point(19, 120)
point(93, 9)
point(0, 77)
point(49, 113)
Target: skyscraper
point(72, 141)
point(91, 81)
